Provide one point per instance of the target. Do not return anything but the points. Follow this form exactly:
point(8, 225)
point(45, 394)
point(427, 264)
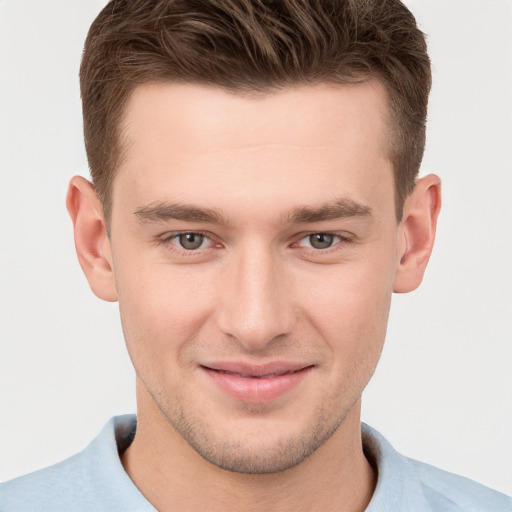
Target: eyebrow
point(342, 208)
point(162, 211)
point(176, 211)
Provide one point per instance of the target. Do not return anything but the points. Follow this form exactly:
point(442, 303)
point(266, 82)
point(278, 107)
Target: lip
point(256, 383)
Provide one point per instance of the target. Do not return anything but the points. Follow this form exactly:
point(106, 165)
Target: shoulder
point(404, 484)
point(446, 491)
point(93, 479)
point(60, 485)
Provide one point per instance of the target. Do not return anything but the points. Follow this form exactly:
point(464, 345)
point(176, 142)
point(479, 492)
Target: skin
point(256, 176)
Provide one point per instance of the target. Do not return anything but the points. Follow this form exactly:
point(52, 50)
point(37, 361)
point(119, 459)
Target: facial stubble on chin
point(234, 456)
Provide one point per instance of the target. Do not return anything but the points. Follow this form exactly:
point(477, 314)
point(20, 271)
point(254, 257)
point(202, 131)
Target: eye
point(190, 241)
point(320, 240)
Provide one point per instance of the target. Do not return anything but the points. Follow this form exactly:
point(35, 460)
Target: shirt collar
point(398, 486)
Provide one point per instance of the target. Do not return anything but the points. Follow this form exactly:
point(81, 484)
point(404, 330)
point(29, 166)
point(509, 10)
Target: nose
point(256, 306)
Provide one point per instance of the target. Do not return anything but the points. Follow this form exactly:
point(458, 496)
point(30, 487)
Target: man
point(255, 203)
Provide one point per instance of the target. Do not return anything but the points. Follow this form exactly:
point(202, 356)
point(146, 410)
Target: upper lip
point(256, 370)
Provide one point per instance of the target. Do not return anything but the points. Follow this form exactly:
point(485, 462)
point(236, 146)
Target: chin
point(260, 447)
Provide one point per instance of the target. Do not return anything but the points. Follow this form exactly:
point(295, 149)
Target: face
point(254, 248)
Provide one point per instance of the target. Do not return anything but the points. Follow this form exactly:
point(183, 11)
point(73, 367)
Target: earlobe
point(91, 239)
point(416, 233)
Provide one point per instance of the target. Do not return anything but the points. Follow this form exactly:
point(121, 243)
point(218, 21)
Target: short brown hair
point(253, 46)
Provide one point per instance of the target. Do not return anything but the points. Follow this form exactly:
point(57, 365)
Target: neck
point(336, 476)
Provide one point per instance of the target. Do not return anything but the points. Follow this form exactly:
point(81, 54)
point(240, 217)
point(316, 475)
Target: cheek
point(349, 306)
point(162, 308)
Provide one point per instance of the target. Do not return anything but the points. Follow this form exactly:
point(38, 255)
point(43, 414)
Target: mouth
point(256, 383)
point(251, 376)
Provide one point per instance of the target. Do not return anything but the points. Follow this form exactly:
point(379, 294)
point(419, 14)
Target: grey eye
point(321, 240)
point(191, 241)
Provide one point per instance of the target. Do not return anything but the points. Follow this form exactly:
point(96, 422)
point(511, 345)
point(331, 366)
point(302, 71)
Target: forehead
point(177, 111)
point(191, 141)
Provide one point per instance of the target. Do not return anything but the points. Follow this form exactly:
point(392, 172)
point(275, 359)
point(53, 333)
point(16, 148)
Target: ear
point(417, 232)
point(91, 239)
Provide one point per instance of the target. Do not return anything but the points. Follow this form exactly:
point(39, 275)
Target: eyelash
point(167, 241)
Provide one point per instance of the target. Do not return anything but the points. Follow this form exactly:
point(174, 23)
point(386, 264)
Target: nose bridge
point(256, 308)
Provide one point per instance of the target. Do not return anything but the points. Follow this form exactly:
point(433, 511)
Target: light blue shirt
point(94, 480)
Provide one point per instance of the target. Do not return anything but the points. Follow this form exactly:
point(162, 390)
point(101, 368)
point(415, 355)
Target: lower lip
point(256, 390)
